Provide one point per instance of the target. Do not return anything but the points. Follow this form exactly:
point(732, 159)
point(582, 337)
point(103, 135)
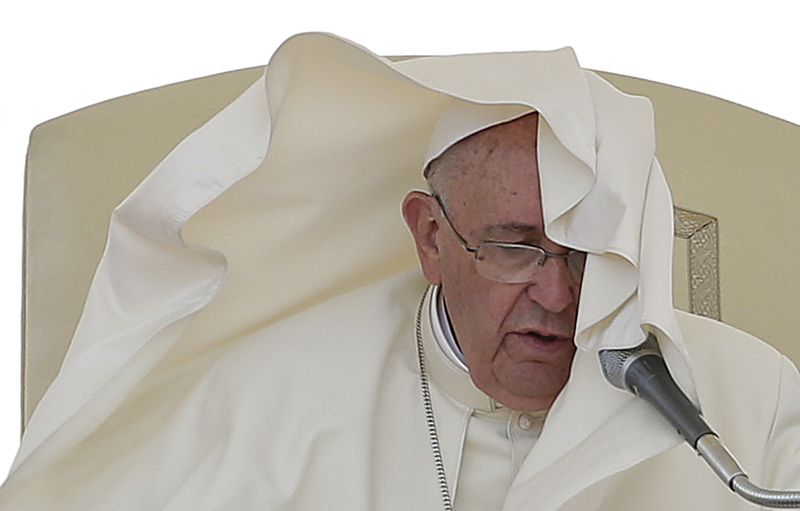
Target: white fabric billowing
point(220, 360)
point(601, 184)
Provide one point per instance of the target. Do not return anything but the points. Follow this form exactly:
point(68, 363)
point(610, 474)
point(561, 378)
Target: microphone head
point(615, 363)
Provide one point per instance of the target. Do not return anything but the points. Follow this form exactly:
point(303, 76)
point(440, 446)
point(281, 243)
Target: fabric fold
point(148, 278)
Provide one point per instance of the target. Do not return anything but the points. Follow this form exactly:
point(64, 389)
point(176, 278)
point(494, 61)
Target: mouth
point(540, 336)
point(536, 342)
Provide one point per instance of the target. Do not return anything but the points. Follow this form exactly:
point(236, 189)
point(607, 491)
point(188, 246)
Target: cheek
point(498, 302)
point(478, 308)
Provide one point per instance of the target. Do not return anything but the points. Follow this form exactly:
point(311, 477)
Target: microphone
point(642, 371)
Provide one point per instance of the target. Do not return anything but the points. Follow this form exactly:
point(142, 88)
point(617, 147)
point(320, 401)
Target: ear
point(418, 212)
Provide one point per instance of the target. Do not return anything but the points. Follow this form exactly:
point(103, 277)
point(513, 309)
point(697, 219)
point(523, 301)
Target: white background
point(61, 56)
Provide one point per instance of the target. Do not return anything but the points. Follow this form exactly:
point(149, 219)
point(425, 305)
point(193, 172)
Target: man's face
point(517, 339)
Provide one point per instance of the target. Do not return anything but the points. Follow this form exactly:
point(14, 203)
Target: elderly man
point(506, 303)
point(510, 294)
point(257, 336)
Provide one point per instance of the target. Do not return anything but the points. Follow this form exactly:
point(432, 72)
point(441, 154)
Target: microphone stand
point(642, 371)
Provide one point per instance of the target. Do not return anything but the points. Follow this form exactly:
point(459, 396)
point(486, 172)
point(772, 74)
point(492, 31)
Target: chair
point(733, 172)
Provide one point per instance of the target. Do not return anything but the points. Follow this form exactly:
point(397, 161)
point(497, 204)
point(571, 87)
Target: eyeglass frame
point(474, 250)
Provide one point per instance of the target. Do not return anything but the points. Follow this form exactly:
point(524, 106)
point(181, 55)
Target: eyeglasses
point(514, 263)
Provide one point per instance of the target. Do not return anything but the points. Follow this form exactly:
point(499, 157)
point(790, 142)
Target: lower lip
point(538, 344)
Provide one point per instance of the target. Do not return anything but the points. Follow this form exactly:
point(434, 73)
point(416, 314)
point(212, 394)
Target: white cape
point(222, 360)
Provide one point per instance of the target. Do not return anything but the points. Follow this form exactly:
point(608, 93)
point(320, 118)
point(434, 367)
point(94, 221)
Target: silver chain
point(428, 405)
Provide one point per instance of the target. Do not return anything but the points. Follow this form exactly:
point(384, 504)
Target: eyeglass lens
point(520, 264)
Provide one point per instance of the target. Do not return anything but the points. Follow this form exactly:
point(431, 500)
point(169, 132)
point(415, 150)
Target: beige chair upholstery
point(734, 173)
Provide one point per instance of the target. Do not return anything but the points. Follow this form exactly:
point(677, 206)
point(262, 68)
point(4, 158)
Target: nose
point(553, 286)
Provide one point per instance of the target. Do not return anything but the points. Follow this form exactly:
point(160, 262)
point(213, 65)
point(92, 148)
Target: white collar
point(443, 330)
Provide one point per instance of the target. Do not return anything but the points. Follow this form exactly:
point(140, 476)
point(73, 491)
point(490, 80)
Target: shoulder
point(749, 392)
point(729, 364)
point(364, 320)
point(346, 338)
point(721, 347)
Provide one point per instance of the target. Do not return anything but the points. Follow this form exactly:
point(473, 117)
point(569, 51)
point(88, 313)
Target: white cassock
point(249, 340)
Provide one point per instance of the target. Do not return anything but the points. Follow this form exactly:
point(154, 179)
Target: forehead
point(498, 190)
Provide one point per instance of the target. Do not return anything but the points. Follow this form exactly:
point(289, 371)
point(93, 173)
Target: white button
point(525, 421)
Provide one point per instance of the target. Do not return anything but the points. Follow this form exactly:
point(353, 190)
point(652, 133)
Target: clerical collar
point(443, 330)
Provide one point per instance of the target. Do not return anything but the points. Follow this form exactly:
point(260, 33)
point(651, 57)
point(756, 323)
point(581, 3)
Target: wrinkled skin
point(517, 339)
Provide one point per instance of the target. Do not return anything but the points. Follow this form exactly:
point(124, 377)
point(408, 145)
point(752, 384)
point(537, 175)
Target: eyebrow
point(512, 228)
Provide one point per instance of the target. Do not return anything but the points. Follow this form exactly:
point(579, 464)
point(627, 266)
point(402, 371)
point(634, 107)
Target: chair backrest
point(733, 171)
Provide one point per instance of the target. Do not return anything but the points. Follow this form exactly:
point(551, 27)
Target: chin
point(523, 386)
